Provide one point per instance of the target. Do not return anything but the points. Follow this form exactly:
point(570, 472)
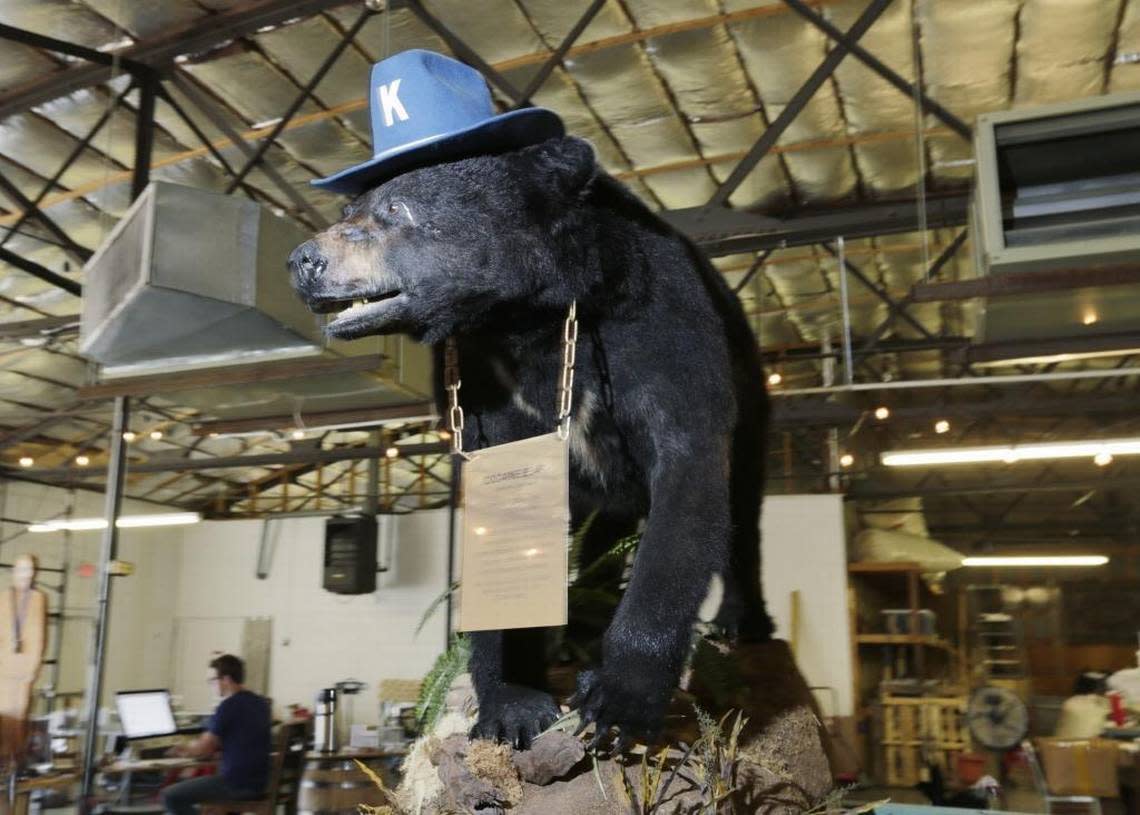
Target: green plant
point(433, 690)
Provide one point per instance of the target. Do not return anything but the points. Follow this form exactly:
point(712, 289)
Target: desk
point(26, 786)
point(147, 765)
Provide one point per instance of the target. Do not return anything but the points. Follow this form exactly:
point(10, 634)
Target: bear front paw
point(634, 702)
point(514, 714)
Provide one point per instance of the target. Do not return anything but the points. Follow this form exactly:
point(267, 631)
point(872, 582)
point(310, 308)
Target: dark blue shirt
point(242, 723)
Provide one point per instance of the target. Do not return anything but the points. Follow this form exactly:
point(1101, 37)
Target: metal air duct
point(192, 278)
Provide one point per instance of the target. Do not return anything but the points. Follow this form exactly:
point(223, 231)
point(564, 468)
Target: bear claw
point(515, 715)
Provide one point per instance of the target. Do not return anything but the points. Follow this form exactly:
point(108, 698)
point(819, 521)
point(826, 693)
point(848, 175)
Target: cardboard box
point(1081, 767)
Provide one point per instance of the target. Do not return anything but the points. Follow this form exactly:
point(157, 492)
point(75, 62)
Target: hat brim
point(507, 131)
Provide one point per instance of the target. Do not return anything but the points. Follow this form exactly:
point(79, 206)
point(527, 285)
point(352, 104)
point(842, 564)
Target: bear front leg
point(644, 650)
point(508, 712)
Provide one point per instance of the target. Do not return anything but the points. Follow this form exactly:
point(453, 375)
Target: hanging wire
point(106, 219)
point(387, 31)
point(919, 138)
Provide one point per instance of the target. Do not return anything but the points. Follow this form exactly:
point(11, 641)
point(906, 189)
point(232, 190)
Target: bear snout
point(307, 263)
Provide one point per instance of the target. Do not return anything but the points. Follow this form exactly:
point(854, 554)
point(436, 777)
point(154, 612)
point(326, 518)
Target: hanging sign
point(516, 529)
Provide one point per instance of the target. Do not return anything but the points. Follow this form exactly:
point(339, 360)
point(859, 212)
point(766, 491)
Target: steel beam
point(42, 272)
point(902, 305)
point(306, 92)
point(464, 51)
point(219, 121)
point(22, 201)
point(75, 153)
point(796, 104)
point(158, 52)
point(730, 232)
point(560, 52)
point(806, 352)
point(331, 418)
point(756, 266)
point(1044, 348)
point(185, 465)
point(879, 292)
point(873, 62)
point(71, 49)
point(144, 133)
point(1014, 284)
point(818, 412)
point(201, 136)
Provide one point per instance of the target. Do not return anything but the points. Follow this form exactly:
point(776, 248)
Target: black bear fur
point(669, 415)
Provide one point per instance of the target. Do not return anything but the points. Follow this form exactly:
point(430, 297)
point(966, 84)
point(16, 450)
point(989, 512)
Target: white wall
point(142, 604)
point(319, 637)
point(803, 548)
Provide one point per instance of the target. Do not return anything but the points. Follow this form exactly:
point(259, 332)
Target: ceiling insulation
point(672, 93)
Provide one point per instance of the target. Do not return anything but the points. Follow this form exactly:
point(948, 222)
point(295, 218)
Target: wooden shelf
point(904, 639)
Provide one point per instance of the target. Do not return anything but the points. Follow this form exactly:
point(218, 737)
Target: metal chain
point(566, 379)
point(452, 382)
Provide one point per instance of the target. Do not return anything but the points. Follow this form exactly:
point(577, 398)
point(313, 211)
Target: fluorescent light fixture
point(1037, 560)
point(1012, 453)
point(125, 522)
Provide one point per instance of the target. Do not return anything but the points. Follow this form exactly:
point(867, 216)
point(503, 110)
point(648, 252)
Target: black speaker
point(350, 555)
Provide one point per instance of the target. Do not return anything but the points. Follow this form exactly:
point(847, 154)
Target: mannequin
point(23, 624)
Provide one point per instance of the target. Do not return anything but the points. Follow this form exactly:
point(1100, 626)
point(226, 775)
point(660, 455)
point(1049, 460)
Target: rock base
point(768, 754)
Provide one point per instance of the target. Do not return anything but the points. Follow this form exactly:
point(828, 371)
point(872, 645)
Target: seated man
point(240, 729)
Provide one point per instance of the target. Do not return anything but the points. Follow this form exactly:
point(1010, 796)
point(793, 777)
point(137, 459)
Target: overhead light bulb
point(1036, 560)
point(129, 435)
point(298, 434)
point(846, 460)
point(392, 452)
point(882, 412)
point(942, 426)
point(1089, 318)
point(156, 434)
point(27, 461)
point(775, 378)
point(1102, 459)
point(82, 461)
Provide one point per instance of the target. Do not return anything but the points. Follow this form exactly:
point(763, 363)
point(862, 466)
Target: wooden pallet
point(918, 730)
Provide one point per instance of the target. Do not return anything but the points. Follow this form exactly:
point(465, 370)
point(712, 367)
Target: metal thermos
point(324, 721)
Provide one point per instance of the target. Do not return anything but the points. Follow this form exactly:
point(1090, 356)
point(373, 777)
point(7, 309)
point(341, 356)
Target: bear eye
point(393, 208)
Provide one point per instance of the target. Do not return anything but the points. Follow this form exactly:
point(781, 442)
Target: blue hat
point(427, 108)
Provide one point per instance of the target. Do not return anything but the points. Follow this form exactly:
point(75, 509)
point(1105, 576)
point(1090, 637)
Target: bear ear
point(565, 165)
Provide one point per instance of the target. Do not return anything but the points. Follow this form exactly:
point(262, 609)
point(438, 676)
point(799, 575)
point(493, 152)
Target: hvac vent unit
point(1058, 187)
point(191, 278)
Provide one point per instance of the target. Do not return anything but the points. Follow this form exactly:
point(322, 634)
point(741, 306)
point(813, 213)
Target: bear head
point(438, 250)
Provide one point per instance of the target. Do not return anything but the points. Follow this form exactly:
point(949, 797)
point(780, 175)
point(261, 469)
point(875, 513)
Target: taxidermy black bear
point(669, 403)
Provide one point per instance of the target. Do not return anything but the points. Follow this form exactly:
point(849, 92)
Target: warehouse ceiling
point(673, 94)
